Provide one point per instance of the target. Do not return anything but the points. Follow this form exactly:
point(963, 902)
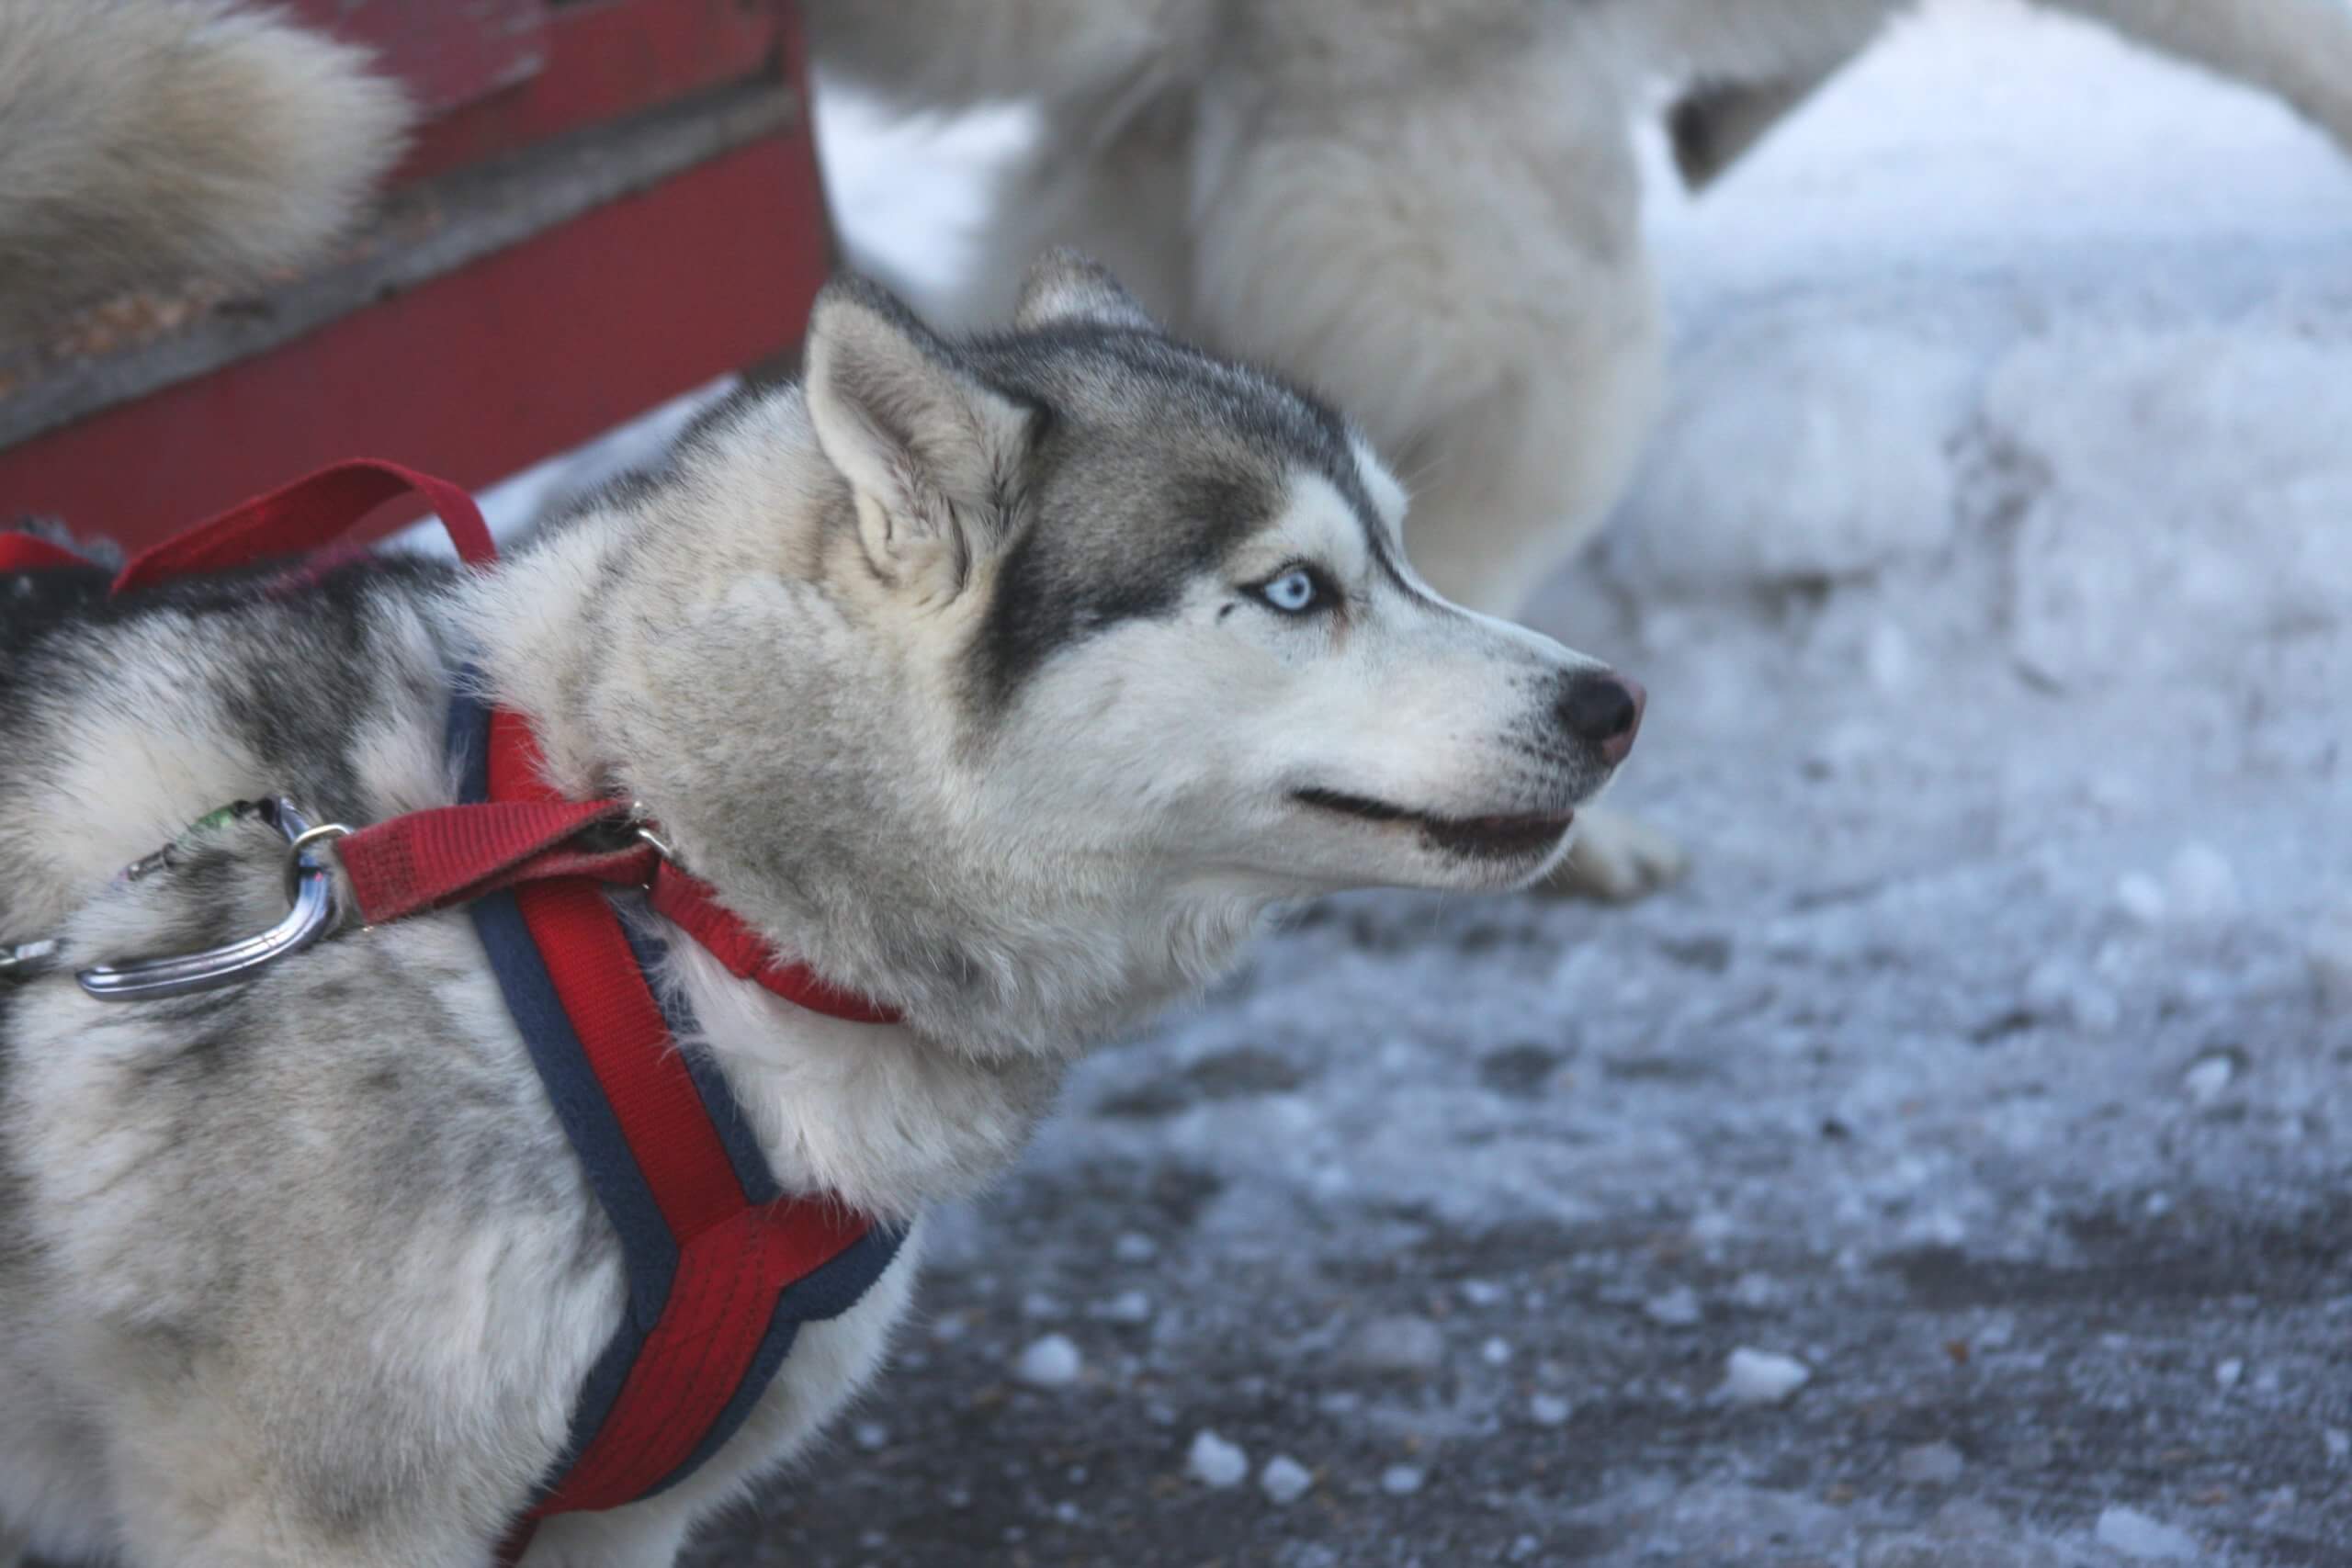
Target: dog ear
point(931, 451)
point(1064, 286)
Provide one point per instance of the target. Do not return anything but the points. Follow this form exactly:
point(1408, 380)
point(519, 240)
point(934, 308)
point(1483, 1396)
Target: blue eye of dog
point(1295, 592)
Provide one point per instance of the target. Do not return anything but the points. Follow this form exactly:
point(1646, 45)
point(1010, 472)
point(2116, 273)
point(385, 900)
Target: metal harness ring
point(311, 915)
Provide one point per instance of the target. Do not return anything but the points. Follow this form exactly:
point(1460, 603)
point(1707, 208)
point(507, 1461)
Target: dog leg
point(2298, 50)
point(1716, 126)
point(1108, 178)
point(1616, 858)
point(197, 1483)
point(646, 1535)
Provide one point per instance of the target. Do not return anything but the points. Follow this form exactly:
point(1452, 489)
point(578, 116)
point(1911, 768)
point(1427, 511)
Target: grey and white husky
point(1007, 681)
point(1431, 208)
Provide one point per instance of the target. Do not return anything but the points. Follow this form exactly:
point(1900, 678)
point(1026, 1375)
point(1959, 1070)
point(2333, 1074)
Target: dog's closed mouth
point(1497, 837)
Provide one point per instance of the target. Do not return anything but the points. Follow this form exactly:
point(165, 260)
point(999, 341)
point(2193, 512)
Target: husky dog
point(1008, 680)
point(1431, 207)
point(145, 142)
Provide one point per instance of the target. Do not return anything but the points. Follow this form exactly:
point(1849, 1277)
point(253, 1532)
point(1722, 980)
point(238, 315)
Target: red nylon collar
point(454, 855)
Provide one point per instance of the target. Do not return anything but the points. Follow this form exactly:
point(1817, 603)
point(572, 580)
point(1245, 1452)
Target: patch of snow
point(1854, 451)
point(1215, 1463)
point(1399, 1344)
point(2202, 882)
point(1402, 1480)
point(1285, 1480)
point(1930, 1464)
point(2208, 1078)
point(2144, 1540)
point(1051, 1363)
point(1548, 1410)
point(2142, 899)
point(1762, 1377)
point(1128, 1306)
point(1677, 1308)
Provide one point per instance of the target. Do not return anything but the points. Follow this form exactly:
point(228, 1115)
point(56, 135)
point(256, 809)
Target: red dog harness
point(722, 1267)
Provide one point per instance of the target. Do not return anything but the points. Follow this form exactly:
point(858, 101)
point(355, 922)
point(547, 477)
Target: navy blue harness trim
point(649, 1250)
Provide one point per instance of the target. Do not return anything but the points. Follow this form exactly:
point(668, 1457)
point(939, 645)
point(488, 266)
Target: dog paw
point(1617, 858)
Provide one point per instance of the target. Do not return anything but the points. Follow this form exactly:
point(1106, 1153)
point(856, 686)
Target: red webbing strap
point(690, 903)
point(719, 1310)
point(430, 860)
point(314, 511)
point(30, 552)
point(731, 1256)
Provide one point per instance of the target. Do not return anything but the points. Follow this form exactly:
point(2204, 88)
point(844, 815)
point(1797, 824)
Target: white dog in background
point(1431, 208)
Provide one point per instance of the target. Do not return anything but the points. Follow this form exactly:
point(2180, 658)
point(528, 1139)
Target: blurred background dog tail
point(147, 143)
point(1755, 65)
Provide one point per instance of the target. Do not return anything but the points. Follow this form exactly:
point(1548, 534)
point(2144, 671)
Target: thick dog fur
point(145, 142)
point(1431, 207)
point(1010, 681)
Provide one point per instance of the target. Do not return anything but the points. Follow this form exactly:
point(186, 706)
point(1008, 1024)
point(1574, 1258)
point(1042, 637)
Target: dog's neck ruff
point(722, 1267)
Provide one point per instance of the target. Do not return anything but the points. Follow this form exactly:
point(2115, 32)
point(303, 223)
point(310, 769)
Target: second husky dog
point(1431, 208)
point(1007, 682)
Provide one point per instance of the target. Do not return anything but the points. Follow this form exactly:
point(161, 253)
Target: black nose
point(1605, 709)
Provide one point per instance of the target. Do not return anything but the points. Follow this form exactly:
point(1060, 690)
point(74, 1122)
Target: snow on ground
point(1992, 581)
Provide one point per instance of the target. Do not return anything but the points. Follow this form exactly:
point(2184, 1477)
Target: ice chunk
point(1679, 1308)
point(1213, 1462)
point(1762, 1377)
point(2144, 1540)
point(1051, 1363)
point(2209, 1077)
point(1128, 1306)
point(1285, 1480)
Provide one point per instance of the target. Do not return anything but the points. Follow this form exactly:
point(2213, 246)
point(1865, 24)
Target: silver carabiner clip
point(310, 916)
